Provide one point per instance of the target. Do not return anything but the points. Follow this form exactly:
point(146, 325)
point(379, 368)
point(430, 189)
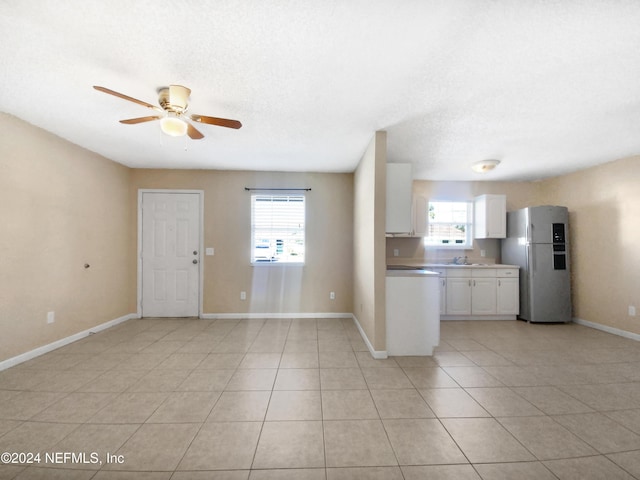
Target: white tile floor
point(303, 399)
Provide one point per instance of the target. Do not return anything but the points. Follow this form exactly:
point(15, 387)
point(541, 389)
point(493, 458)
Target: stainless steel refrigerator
point(538, 242)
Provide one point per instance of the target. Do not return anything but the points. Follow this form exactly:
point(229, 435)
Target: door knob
point(195, 261)
point(195, 252)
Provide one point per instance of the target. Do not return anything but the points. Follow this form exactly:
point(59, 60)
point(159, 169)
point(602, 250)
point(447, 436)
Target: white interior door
point(170, 254)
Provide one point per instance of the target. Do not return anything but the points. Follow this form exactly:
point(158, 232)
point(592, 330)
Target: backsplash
point(412, 250)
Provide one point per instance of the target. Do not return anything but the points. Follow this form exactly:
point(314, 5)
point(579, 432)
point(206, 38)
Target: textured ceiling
point(547, 87)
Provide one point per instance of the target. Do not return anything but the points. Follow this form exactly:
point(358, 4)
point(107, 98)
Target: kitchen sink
point(402, 267)
point(431, 265)
point(451, 264)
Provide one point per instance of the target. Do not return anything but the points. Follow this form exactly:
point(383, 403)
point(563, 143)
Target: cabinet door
point(496, 216)
point(490, 216)
point(483, 296)
point(458, 296)
point(443, 296)
point(420, 208)
point(508, 296)
point(399, 198)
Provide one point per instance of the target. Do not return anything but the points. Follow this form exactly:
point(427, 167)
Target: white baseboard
point(606, 328)
point(455, 318)
point(36, 352)
point(377, 354)
point(275, 315)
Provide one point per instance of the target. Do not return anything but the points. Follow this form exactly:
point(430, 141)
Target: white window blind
point(277, 228)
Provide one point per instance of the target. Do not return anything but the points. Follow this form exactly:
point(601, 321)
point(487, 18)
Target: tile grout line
point(511, 388)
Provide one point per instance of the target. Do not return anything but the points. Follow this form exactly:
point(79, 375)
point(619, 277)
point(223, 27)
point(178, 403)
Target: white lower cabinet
point(483, 296)
point(458, 296)
point(412, 319)
point(508, 296)
point(479, 293)
point(443, 288)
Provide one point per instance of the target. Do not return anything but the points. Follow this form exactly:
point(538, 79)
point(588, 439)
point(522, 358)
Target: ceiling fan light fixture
point(174, 101)
point(484, 166)
point(173, 126)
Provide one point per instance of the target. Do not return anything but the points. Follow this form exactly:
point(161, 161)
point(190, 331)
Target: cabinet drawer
point(458, 272)
point(483, 273)
point(508, 272)
point(441, 271)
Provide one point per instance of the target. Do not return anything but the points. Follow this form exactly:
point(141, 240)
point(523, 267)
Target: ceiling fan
point(174, 102)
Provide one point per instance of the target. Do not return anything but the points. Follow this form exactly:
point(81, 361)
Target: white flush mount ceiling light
point(484, 166)
point(173, 126)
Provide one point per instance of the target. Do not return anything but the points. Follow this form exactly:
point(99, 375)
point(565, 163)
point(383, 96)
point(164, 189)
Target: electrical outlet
point(51, 317)
point(332, 295)
point(483, 253)
point(209, 251)
point(396, 252)
point(632, 311)
point(243, 295)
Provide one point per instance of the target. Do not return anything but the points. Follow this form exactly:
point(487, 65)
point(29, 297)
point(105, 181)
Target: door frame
point(200, 194)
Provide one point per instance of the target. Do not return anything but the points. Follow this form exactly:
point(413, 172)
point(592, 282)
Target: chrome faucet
point(460, 260)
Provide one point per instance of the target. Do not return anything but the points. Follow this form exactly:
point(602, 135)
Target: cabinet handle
point(469, 282)
point(498, 282)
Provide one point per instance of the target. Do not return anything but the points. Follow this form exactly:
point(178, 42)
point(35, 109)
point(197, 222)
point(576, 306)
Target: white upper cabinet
point(490, 216)
point(420, 206)
point(399, 198)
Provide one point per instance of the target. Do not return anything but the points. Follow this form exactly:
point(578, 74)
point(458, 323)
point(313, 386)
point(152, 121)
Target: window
point(277, 228)
point(449, 225)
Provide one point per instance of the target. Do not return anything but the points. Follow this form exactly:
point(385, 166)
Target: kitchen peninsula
point(412, 311)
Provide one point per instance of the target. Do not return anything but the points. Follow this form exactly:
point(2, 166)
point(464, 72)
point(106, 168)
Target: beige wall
point(604, 216)
point(519, 195)
point(369, 264)
point(61, 207)
point(227, 228)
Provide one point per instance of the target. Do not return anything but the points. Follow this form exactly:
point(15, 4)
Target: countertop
point(411, 273)
point(473, 265)
point(409, 267)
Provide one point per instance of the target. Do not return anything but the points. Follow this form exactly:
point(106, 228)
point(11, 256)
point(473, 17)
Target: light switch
point(209, 251)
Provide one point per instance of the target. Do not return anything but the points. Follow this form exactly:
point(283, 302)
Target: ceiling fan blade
point(132, 121)
point(221, 122)
point(126, 97)
point(193, 132)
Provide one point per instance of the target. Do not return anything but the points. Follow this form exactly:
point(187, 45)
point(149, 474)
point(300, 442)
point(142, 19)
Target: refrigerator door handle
point(528, 259)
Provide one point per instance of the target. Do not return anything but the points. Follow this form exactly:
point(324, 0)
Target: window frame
point(272, 233)
point(468, 243)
